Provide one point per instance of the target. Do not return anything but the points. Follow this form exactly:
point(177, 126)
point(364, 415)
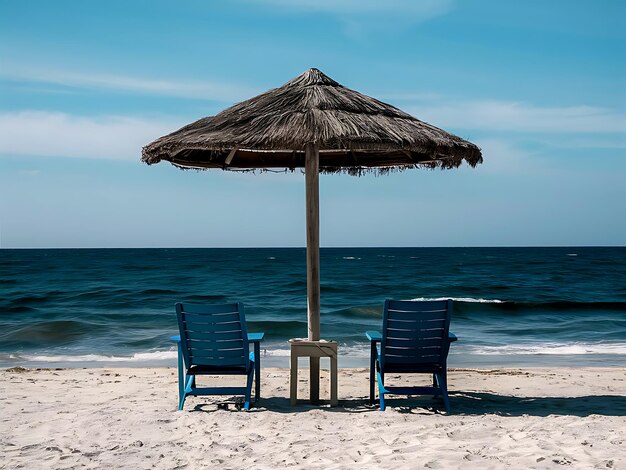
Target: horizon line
point(298, 247)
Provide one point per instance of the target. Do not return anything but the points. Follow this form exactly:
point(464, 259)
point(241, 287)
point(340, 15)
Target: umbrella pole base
point(314, 350)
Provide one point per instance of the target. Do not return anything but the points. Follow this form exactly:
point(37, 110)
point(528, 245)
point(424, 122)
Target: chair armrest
point(176, 338)
point(374, 336)
point(255, 337)
point(452, 337)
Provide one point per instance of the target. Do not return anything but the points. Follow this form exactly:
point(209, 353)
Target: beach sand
point(127, 418)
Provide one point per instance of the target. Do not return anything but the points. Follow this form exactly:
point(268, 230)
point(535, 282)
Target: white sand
point(127, 418)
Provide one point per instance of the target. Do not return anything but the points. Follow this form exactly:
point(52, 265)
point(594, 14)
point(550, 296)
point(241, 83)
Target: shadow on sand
point(462, 403)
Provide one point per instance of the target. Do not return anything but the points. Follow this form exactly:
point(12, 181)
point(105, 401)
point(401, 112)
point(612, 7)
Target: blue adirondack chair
point(213, 341)
point(415, 339)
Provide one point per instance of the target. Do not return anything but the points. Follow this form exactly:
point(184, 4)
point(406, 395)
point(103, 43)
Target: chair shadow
point(480, 403)
point(462, 403)
point(283, 405)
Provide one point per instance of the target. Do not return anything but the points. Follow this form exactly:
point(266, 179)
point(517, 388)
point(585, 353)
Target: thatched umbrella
point(312, 122)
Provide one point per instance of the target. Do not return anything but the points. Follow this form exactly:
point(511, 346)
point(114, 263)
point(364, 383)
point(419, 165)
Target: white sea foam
point(349, 257)
point(356, 355)
point(275, 352)
point(462, 299)
point(159, 356)
point(566, 349)
point(137, 357)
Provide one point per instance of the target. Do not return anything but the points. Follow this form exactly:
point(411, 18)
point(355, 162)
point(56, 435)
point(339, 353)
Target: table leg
point(293, 380)
point(333, 380)
point(315, 379)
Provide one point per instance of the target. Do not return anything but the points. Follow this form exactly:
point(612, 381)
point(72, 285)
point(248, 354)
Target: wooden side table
point(306, 348)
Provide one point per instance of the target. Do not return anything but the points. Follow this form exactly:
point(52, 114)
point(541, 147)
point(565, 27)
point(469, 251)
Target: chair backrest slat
point(222, 362)
point(216, 353)
point(217, 345)
point(211, 309)
point(414, 332)
point(211, 319)
point(413, 342)
point(212, 327)
point(213, 335)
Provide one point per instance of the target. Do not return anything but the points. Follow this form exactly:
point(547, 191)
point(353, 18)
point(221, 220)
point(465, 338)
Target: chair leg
point(436, 386)
point(190, 383)
point(246, 405)
point(257, 371)
point(381, 390)
point(372, 373)
point(181, 379)
point(189, 380)
point(443, 385)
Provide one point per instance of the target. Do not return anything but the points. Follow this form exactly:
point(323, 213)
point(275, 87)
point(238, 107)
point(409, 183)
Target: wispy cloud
point(409, 96)
point(362, 19)
point(521, 117)
point(504, 157)
point(62, 135)
point(209, 90)
point(417, 9)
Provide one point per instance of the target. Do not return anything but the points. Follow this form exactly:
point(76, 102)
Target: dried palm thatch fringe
point(356, 134)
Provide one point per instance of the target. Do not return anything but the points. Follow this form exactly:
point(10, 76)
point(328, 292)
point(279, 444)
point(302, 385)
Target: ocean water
point(513, 306)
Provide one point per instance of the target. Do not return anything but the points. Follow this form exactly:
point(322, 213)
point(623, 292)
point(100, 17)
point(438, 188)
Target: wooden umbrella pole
point(313, 259)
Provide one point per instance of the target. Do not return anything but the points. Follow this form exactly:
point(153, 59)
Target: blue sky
point(539, 86)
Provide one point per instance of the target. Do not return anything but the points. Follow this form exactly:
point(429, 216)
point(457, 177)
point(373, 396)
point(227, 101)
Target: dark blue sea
point(513, 306)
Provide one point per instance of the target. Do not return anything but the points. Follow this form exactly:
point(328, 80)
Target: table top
point(305, 341)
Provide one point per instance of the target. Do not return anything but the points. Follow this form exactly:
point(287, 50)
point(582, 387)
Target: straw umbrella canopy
point(312, 122)
point(353, 133)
